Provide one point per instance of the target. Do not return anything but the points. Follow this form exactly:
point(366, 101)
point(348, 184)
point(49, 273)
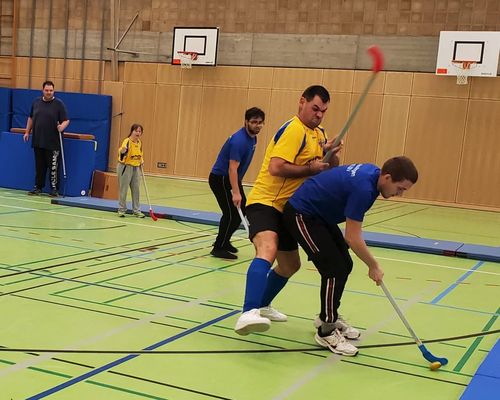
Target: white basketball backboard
point(479, 48)
point(203, 41)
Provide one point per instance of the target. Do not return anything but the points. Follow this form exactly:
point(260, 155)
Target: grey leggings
point(128, 176)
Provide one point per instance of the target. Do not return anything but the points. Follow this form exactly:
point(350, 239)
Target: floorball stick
point(436, 362)
point(151, 213)
point(244, 221)
point(378, 63)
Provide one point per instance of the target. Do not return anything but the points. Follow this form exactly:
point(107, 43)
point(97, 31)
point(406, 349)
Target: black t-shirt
point(46, 115)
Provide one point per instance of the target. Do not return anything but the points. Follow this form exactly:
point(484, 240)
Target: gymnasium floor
point(81, 279)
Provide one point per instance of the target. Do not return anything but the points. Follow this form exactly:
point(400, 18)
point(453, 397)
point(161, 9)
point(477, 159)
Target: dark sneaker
point(35, 191)
point(54, 193)
point(221, 253)
point(229, 247)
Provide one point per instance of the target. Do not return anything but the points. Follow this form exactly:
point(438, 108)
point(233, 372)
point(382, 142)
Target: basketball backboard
point(203, 41)
point(478, 48)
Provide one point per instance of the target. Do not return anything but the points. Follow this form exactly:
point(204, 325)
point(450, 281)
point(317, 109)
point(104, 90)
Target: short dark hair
point(316, 90)
point(254, 112)
point(134, 127)
point(400, 168)
point(47, 83)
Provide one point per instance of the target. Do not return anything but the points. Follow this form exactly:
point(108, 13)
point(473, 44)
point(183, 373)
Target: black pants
point(230, 220)
point(46, 160)
point(326, 247)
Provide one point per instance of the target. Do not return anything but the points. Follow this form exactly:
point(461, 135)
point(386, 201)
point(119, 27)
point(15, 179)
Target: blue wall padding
point(88, 113)
point(5, 108)
point(19, 164)
point(487, 253)
point(411, 243)
point(441, 247)
point(485, 384)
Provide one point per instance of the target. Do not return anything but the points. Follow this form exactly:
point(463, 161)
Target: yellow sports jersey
point(296, 143)
point(133, 156)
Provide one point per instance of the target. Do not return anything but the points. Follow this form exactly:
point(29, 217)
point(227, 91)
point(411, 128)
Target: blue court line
point(454, 285)
point(113, 364)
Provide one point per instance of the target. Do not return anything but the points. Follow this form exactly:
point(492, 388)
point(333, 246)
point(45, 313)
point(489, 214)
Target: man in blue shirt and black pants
point(225, 180)
point(312, 215)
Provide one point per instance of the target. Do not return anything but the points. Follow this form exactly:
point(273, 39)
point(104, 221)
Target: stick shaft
point(244, 220)
point(145, 187)
point(400, 313)
point(62, 155)
point(348, 123)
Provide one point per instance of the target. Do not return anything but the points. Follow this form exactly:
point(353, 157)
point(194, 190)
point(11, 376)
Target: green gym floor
point(81, 279)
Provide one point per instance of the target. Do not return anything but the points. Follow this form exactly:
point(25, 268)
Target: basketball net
point(463, 70)
point(187, 58)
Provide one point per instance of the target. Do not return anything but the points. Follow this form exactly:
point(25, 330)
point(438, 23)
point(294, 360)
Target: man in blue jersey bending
point(312, 215)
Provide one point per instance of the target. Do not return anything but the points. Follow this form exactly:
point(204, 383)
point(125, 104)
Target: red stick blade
point(152, 215)
point(377, 58)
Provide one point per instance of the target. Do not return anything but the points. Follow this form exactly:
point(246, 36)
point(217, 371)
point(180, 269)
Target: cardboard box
point(104, 185)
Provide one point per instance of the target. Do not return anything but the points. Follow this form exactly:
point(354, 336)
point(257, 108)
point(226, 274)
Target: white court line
point(35, 360)
point(330, 360)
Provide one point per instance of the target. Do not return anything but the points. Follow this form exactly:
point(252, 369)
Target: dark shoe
point(221, 253)
point(35, 191)
point(54, 193)
point(229, 247)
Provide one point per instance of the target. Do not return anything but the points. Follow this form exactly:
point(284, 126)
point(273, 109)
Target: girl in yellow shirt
point(130, 160)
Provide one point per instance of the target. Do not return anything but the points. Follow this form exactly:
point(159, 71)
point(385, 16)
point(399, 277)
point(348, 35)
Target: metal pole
point(84, 37)
point(65, 56)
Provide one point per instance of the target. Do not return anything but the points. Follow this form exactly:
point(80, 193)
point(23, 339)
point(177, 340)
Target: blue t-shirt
point(238, 147)
point(347, 191)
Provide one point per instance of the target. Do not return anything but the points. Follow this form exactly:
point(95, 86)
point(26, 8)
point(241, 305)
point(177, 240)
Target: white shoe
point(341, 324)
point(336, 343)
point(272, 314)
point(251, 321)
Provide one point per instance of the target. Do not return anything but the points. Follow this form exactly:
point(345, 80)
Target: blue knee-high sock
point(274, 284)
point(256, 282)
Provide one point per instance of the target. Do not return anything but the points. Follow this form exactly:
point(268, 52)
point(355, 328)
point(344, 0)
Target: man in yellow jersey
point(294, 153)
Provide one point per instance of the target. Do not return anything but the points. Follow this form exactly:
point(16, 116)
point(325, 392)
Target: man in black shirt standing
point(48, 118)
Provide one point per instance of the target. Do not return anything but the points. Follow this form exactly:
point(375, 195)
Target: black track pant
point(230, 220)
point(46, 160)
point(325, 246)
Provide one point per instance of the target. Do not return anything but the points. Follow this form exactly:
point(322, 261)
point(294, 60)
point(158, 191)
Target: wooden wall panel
point(398, 83)
point(140, 72)
point(479, 181)
point(192, 77)
point(362, 139)
point(361, 78)
point(438, 86)
point(485, 88)
point(222, 114)
point(165, 131)
point(138, 99)
point(261, 78)
point(114, 89)
point(434, 142)
point(296, 78)
point(189, 126)
point(338, 81)
point(392, 134)
point(168, 74)
point(227, 77)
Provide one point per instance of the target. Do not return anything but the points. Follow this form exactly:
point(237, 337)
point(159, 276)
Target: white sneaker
point(251, 321)
point(337, 343)
point(341, 324)
point(272, 314)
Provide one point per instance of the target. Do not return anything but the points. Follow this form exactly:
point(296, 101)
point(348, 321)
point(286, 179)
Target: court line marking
point(115, 363)
point(114, 331)
point(448, 290)
point(329, 361)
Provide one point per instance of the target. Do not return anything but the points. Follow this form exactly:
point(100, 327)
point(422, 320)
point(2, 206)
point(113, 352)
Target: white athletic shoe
point(251, 321)
point(341, 324)
point(337, 343)
point(272, 314)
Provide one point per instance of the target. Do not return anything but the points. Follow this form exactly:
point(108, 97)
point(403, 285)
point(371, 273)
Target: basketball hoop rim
point(192, 54)
point(463, 64)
